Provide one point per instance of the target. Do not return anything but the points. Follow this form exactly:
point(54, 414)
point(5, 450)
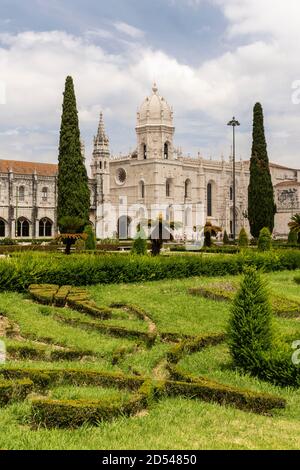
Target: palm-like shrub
point(249, 329)
point(264, 240)
point(243, 240)
point(161, 231)
point(295, 226)
point(71, 229)
point(210, 231)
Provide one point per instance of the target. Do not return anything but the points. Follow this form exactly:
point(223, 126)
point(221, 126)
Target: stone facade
point(156, 178)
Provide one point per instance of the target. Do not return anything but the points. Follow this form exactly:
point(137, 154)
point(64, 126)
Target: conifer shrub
point(139, 246)
point(250, 336)
point(226, 240)
point(264, 240)
point(250, 331)
point(90, 242)
point(243, 240)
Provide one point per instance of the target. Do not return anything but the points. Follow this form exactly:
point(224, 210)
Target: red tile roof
point(288, 183)
point(28, 168)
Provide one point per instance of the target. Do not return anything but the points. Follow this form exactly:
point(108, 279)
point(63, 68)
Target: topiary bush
point(243, 240)
point(90, 242)
point(250, 323)
point(264, 240)
point(139, 246)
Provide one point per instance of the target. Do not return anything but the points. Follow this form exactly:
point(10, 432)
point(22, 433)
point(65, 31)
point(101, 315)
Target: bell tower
point(154, 129)
point(100, 159)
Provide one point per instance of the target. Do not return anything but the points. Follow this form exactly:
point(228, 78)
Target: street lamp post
point(233, 123)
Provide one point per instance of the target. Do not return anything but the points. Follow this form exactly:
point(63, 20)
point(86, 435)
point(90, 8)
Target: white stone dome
point(155, 110)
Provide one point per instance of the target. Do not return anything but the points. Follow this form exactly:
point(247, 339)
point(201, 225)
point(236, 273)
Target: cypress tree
point(73, 192)
point(261, 206)
point(225, 238)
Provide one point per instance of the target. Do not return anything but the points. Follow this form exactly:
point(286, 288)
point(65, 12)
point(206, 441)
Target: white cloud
point(34, 65)
point(128, 29)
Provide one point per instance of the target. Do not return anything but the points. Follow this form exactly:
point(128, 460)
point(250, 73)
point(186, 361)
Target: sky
point(211, 59)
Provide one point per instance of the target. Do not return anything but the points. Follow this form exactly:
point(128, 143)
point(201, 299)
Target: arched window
point(142, 189)
point(231, 193)
point(166, 151)
point(104, 165)
point(168, 188)
point(170, 214)
point(45, 228)
point(23, 228)
point(187, 188)
point(124, 227)
point(209, 199)
point(45, 194)
point(100, 165)
point(21, 193)
point(145, 151)
point(2, 228)
point(188, 217)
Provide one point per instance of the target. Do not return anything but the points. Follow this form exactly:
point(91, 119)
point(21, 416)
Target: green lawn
point(171, 423)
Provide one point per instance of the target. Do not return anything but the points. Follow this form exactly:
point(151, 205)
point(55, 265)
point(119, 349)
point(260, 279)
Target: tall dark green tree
point(261, 206)
point(73, 191)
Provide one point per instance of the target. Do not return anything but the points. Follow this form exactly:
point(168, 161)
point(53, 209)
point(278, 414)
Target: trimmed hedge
point(211, 391)
point(225, 292)
point(75, 413)
point(18, 272)
point(116, 331)
point(76, 298)
point(14, 390)
point(20, 350)
point(225, 249)
point(189, 346)
point(43, 378)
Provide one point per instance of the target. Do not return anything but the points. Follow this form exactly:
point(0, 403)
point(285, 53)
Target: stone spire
point(101, 152)
point(101, 141)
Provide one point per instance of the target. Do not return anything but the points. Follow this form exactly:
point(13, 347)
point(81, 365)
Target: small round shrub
point(139, 246)
point(243, 240)
point(264, 240)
